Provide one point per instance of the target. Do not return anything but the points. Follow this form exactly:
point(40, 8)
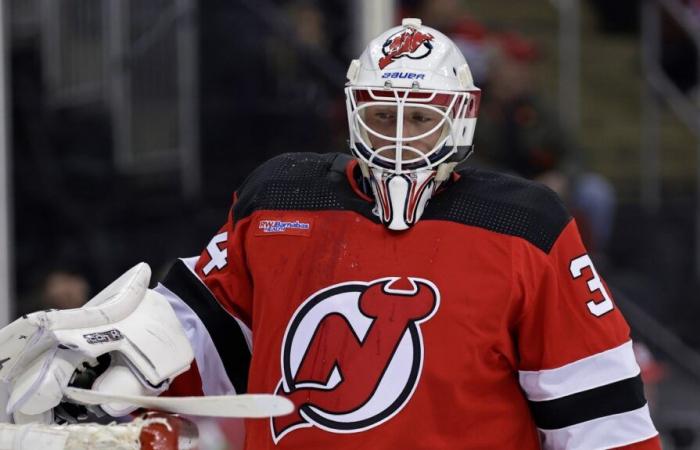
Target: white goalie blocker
point(40, 352)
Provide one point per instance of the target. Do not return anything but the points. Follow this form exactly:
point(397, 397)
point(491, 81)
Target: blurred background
point(126, 126)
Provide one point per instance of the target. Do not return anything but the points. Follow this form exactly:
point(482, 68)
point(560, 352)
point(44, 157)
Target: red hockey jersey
point(484, 326)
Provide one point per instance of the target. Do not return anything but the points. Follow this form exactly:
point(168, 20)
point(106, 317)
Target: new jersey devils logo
point(409, 42)
point(352, 355)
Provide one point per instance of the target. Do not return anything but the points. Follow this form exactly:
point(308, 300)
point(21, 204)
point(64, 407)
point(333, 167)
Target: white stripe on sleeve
point(602, 433)
point(215, 381)
point(190, 263)
point(591, 372)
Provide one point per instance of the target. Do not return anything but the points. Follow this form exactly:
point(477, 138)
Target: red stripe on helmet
point(440, 99)
point(415, 194)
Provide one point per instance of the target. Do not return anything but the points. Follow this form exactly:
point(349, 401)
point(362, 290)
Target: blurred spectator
point(470, 35)
point(518, 132)
point(64, 290)
point(59, 286)
point(308, 22)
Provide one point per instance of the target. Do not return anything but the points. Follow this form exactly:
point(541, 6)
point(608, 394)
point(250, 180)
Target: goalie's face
point(407, 130)
point(420, 129)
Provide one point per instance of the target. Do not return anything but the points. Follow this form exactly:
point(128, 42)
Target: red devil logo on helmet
point(352, 355)
point(409, 42)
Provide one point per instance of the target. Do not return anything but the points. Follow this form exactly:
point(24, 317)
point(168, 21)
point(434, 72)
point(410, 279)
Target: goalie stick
point(245, 405)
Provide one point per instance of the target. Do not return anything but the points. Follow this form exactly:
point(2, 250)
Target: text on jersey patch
point(268, 227)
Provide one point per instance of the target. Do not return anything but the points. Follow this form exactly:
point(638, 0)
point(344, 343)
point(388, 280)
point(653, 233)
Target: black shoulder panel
point(489, 200)
point(300, 181)
point(503, 204)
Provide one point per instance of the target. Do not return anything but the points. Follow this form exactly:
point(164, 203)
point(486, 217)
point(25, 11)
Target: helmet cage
point(457, 108)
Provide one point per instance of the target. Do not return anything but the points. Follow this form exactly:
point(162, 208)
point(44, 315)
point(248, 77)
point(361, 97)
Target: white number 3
point(594, 284)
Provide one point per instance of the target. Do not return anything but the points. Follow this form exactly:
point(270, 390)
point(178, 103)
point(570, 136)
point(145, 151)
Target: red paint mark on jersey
point(403, 44)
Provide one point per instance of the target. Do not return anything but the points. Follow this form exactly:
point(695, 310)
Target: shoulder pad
point(299, 181)
point(503, 204)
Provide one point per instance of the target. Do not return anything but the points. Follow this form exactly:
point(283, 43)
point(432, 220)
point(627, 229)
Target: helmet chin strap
point(400, 198)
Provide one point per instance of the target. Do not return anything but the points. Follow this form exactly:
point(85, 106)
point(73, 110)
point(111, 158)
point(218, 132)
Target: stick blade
point(242, 406)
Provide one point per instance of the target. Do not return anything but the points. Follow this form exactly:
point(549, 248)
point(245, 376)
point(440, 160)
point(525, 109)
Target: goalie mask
point(411, 104)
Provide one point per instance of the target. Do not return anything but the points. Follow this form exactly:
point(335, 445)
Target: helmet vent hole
point(454, 70)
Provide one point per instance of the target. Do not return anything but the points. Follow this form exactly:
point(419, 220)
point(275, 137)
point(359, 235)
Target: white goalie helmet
point(411, 105)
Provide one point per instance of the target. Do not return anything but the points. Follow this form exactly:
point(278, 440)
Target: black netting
point(503, 204)
point(496, 202)
point(298, 181)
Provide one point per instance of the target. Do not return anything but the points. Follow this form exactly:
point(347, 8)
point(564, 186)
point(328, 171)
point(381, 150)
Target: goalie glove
point(43, 352)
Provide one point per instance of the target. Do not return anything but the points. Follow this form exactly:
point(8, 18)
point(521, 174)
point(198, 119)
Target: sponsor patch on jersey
point(285, 226)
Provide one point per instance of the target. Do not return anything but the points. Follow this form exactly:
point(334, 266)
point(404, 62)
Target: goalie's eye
point(421, 118)
point(385, 116)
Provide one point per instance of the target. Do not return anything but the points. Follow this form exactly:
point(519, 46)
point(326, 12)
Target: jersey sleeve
point(212, 296)
point(577, 367)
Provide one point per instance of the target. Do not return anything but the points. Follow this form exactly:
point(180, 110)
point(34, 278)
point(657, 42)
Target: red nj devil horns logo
point(406, 43)
point(344, 348)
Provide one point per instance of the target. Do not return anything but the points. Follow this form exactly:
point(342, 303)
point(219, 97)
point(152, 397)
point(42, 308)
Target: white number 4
point(217, 255)
point(594, 284)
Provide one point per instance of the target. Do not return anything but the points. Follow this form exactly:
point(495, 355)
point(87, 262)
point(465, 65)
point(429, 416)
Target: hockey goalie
point(396, 301)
